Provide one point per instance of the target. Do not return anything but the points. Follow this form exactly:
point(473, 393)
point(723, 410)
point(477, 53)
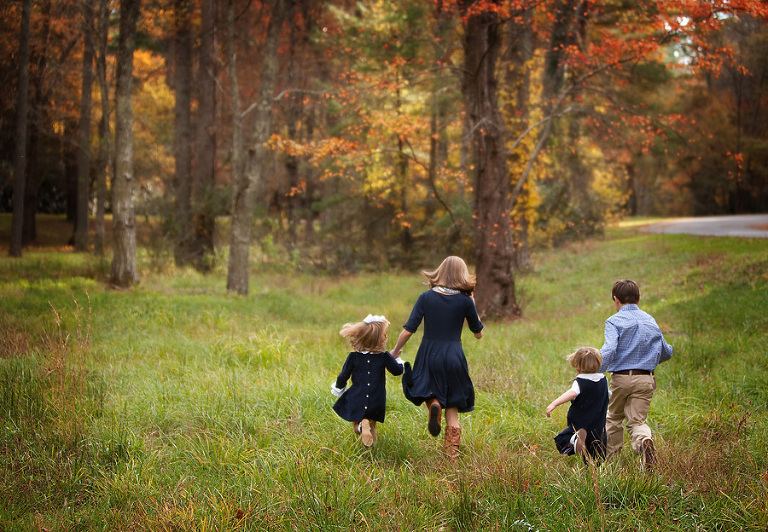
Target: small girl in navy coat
point(585, 434)
point(365, 401)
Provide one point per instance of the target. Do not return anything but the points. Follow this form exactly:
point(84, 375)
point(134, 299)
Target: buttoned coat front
point(367, 396)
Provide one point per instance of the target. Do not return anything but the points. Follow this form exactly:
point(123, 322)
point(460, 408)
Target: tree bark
point(245, 188)
point(124, 269)
point(84, 156)
point(20, 161)
point(103, 155)
point(203, 217)
point(238, 159)
point(495, 292)
point(182, 81)
point(39, 120)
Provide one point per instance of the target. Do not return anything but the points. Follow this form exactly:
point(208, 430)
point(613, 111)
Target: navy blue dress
point(587, 411)
point(367, 397)
point(440, 367)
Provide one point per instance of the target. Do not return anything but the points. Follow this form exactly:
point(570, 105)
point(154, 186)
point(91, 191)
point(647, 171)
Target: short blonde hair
point(586, 360)
point(452, 273)
point(364, 336)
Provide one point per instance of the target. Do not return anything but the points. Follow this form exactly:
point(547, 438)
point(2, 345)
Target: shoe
point(649, 455)
point(580, 447)
point(366, 433)
point(434, 418)
point(452, 441)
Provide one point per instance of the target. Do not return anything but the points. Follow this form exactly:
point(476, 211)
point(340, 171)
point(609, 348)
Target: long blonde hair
point(452, 273)
point(364, 336)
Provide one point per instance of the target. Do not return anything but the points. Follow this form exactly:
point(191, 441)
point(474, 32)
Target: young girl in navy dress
point(585, 433)
point(365, 402)
point(440, 375)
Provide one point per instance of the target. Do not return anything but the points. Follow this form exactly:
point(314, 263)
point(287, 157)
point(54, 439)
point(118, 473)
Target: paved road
point(745, 225)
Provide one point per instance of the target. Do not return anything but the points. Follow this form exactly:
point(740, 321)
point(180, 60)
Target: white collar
point(595, 377)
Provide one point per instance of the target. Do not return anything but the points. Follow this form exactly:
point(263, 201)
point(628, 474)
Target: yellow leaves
point(147, 64)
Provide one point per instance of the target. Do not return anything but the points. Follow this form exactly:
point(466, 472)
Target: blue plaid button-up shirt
point(633, 340)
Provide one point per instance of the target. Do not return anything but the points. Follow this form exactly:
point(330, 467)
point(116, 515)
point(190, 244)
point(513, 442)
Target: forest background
point(347, 136)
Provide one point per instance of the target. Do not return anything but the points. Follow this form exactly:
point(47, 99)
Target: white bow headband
point(370, 318)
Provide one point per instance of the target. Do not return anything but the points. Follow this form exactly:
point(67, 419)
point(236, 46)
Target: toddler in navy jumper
point(585, 433)
point(365, 402)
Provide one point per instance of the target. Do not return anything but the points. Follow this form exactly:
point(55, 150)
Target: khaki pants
point(630, 400)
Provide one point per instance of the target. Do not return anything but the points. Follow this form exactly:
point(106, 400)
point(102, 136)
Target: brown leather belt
point(633, 372)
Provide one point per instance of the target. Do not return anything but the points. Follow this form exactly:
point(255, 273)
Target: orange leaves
point(315, 152)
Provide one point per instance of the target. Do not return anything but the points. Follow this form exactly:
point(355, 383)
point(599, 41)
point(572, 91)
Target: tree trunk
point(39, 117)
point(238, 170)
point(245, 188)
point(204, 221)
point(124, 270)
point(182, 84)
point(402, 186)
point(103, 156)
point(495, 293)
point(20, 165)
point(84, 159)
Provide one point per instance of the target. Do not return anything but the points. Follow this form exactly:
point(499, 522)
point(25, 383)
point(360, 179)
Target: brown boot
point(434, 417)
point(649, 455)
point(366, 433)
point(452, 441)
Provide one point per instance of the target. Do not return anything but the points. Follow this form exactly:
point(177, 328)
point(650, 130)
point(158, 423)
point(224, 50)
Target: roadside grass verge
point(176, 406)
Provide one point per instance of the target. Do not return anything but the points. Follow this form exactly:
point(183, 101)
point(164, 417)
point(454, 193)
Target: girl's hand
point(550, 408)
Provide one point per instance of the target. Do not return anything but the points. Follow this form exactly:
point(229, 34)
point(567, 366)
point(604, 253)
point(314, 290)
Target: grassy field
point(174, 406)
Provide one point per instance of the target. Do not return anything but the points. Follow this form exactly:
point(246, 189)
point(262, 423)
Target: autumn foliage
point(378, 147)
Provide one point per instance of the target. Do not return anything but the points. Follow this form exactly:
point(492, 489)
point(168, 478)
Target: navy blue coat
point(367, 397)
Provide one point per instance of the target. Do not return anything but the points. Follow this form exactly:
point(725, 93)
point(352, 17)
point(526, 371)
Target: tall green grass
point(175, 406)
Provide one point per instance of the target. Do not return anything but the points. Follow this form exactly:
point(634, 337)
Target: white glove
point(337, 391)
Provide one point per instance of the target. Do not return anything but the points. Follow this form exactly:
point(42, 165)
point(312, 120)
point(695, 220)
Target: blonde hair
point(586, 360)
point(364, 336)
point(452, 273)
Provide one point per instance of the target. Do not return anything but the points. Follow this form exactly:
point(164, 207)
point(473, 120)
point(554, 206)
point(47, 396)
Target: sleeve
point(417, 314)
point(666, 350)
point(473, 320)
point(346, 372)
point(609, 345)
point(575, 388)
point(392, 364)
